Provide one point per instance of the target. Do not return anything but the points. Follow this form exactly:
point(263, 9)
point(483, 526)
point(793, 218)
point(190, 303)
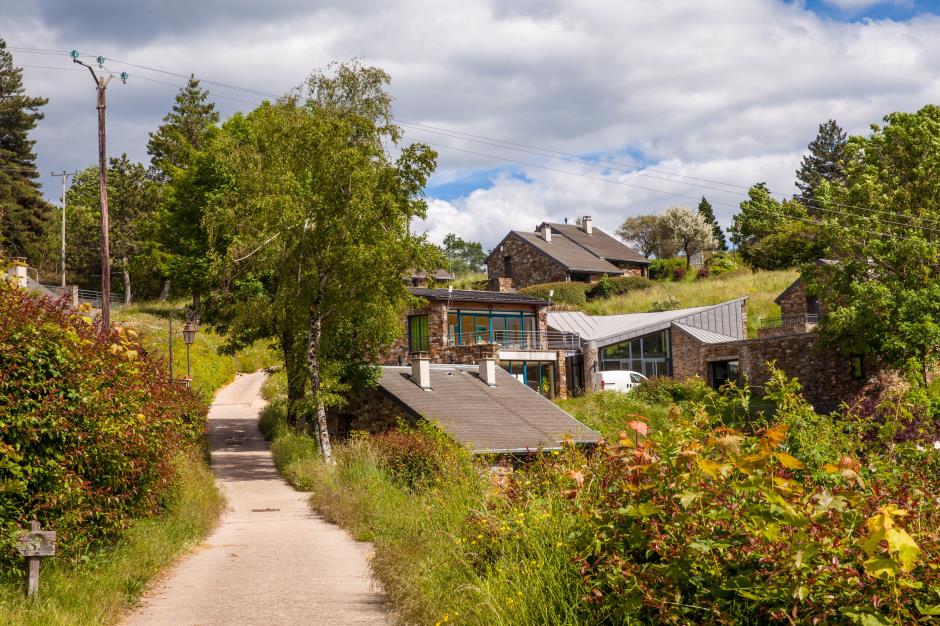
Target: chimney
point(421, 371)
point(547, 233)
point(488, 371)
point(586, 225)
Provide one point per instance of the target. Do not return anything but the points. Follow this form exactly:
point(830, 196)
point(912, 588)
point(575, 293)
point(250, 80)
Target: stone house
point(462, 327)
point(482, 407)
point(560, 252)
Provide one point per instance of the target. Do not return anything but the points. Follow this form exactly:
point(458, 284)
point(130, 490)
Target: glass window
point(724, 371)
point(453, 329)
point(636, 378)
point(418, 333)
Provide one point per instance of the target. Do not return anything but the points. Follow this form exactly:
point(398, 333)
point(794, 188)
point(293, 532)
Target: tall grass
point(102, 585)
point(210, 369)
point(608, 412)
point(761, 288)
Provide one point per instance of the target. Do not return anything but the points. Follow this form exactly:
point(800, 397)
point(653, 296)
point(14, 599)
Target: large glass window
point(512, 329)
point(724, 371)
point(648, 355)
point(418, 333)
point(537, 375)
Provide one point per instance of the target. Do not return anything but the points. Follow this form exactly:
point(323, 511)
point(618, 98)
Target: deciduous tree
point(883, 290)
point(649, 235)
point(463, 256)
point(690, 231)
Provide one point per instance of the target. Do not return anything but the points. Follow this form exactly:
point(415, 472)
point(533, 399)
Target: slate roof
point(439, 274)
point(705, 336)
point(724, 320)
point(600, 244)
point(569, 254)
point(509, 417)
point(466, 295)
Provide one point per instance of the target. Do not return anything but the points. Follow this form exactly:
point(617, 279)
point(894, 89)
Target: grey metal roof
point(600, 244)
point(705, 336)
point(468, 295)
point(725, 318)
point(569, 254)
point(509, 417)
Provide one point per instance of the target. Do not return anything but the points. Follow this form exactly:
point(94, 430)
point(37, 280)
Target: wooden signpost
point(35, 544)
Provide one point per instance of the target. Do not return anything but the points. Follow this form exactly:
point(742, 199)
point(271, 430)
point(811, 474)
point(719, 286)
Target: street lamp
point(189, 335)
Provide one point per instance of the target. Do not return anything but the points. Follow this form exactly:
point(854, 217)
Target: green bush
point(88, 425)
point(608, 287)
point(572, 293)
point(719, 263)
point(664, 269)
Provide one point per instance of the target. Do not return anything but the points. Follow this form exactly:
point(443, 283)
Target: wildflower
point(555, 452)
point(479, 536)
point(936, 445)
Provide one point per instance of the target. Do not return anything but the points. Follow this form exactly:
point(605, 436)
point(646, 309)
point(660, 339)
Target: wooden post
point(103, 191)
point(35, 544)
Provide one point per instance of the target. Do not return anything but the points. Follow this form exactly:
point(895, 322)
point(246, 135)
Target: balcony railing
point(789, 320)
point(518, 340)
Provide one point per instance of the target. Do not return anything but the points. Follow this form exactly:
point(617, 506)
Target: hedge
point(88, 426)
point(608, 287)
point(567, 293)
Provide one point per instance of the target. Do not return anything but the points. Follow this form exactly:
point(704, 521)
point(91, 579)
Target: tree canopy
point(313, 200)
point(25, 217)
point(825, 161)
point(463, 256)
point(883, 221)
point(649, 235)
point(708, 214)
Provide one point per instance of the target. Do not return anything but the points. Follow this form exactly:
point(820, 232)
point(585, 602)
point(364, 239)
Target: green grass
point(608, 412)
point(99, 589)
point(210, 370)
point(761, 288)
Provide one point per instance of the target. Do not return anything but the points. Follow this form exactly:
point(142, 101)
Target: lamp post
point(189, 335)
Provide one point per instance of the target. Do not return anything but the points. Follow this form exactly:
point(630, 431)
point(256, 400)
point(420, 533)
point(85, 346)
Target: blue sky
point(711, 96)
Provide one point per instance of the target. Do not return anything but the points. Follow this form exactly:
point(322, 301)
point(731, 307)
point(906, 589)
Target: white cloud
point(728, 91)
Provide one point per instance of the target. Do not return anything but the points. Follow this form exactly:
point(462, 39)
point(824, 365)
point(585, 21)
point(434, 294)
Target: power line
point(634, 168)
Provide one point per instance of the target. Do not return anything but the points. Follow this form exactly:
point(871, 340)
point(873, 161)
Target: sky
point(539, 109)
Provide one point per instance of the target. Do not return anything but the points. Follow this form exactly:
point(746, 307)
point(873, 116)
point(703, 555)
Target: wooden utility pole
point(101, 84)
point(65, 175)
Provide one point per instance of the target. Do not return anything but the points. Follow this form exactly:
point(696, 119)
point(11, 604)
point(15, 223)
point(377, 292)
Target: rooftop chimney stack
point(421, 371)
point(586, 225)
point(547, 233)
point(488, 371)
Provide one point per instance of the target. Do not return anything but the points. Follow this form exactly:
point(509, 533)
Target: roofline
point(643, 262)
point(602, 342)
point(509, 297)
point(567, 267)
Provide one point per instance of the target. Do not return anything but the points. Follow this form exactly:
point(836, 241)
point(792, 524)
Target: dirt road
point(271, 561)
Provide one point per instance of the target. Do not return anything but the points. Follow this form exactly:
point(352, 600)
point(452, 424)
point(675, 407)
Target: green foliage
point(678, 518)
point(133, 200)
point(650, 235)
point(616, 286)
point(720, 263)
point(100, 588)
point(708, 214)
point(571, 293)
point(24, 215)
point(88, 425)
point(464, 257)
point(883, 292)
point(185, 130)
point(663, 269)
point(669, 303)
point(825, 162)
point(762, 216)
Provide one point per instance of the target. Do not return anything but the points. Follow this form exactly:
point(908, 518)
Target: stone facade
point(501, 283)
point(826, 375)
point(528, 265)
point(371, 411)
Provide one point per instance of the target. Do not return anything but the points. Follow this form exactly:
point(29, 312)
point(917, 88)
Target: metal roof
point(467, 295)
point(705, 336)
point(569, 254)
point(509, 417)
point(725, 319)
point(600, 243)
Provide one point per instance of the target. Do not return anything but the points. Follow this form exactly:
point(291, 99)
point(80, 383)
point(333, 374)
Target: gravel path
point(271, 560)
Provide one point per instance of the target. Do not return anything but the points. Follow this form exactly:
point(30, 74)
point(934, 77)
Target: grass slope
point(211, 370)
point(760, 288)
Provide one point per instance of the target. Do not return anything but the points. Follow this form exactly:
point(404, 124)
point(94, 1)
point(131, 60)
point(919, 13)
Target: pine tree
point(706, 211)
point(24, 215)
point(825, 161)
point(183, 132)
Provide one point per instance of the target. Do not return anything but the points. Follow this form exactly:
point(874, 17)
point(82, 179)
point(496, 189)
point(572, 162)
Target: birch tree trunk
point(165, 290)
point(127, 282)
point(313, 363)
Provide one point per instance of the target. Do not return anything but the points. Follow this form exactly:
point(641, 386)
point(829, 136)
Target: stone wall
point(501, 283)
point(589, 354)
point(529, 266)
point(687, 357)
point(561, 388)
point(825, 375)
point(793, 301)
point(371, 411)
point(631, 269)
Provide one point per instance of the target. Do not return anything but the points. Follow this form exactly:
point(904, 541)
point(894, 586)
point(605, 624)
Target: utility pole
point(101, 84)
point(65, 175)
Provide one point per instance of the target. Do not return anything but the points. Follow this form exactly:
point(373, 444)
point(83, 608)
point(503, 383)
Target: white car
point(618, 380)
